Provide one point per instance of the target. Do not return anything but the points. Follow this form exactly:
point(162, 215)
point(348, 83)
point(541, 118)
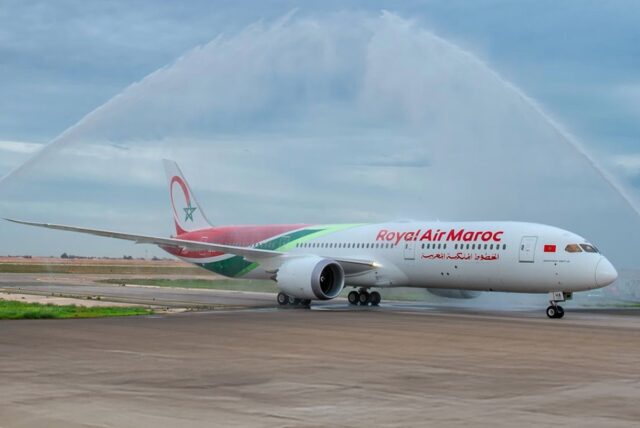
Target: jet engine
point(454, 294)
point(312, 278)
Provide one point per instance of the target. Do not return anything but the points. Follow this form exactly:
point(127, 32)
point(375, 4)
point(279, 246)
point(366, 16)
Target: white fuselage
point(483, 256)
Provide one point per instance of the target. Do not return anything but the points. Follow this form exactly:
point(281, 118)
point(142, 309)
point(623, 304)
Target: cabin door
point(528, 249)
point(409, 250)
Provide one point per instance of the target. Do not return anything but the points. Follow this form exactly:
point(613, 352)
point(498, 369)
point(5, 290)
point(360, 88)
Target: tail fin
point(187, 213)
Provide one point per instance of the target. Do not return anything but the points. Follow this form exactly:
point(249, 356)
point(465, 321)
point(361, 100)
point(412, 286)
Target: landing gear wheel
point(305, 302)
point(352, 297)
point(556, 311)
point(363, 298)
point(375, 298)
point(295, 301)
point(283, 299)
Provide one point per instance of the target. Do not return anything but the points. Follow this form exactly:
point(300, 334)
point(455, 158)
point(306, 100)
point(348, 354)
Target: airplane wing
point(251, 254)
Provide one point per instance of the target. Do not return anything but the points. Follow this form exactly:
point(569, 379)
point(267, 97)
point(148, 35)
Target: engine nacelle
point(454, 294)
point(312, 278)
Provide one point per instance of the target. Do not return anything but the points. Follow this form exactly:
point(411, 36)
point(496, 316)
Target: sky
point(289, 111)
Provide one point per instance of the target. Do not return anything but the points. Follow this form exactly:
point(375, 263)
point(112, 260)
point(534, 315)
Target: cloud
point(629, 163)
point(342, 117)
point(14, 153)
point(19, 147)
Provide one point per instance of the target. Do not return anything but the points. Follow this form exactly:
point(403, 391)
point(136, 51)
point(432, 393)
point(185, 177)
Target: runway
point(403, 364)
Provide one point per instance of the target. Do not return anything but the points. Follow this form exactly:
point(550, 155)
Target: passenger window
point(589, 248)
point(573, 248)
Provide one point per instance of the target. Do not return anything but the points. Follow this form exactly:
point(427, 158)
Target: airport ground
point(238, 360)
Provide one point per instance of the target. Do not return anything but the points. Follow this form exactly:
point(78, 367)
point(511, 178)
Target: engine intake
point(311, 278)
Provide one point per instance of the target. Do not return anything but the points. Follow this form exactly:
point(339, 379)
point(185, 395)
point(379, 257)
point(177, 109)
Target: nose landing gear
point(554, 310)
point(363, 298)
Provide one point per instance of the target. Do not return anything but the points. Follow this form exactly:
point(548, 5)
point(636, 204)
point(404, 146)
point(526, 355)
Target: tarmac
point(246, 362)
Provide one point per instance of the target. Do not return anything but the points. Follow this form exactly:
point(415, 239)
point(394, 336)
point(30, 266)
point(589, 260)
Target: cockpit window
point(573, 248)
point(589, 248)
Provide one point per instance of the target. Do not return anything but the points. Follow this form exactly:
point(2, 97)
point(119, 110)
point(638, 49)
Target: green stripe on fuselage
point(237, 266)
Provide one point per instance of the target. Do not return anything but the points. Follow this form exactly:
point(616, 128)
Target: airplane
point(317, 261)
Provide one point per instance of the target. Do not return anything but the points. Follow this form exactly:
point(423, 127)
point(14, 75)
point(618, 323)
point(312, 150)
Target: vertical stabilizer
point(187, 213)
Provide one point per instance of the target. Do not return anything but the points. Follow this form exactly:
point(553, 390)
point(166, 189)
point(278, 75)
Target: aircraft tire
point(559, 311)
point(363, 298)
point(353, 297)
point(283, 299)
point(375, 298)
point(551, 311)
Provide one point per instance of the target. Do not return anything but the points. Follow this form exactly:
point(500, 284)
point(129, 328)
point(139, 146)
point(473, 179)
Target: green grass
point(10, 310)
point(216, 284)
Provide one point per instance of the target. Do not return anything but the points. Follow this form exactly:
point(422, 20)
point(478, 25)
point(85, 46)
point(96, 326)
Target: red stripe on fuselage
point(239, 236)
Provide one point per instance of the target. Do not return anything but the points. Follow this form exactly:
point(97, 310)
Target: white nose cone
point(605, 273)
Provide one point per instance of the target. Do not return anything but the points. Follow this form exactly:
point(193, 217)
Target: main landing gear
point(284, 300)
point(363, 297)
point(554, 310)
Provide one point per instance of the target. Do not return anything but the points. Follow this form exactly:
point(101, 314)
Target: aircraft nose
point(605, 273)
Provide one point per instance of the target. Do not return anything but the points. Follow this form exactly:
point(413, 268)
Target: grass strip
point(12, 310)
